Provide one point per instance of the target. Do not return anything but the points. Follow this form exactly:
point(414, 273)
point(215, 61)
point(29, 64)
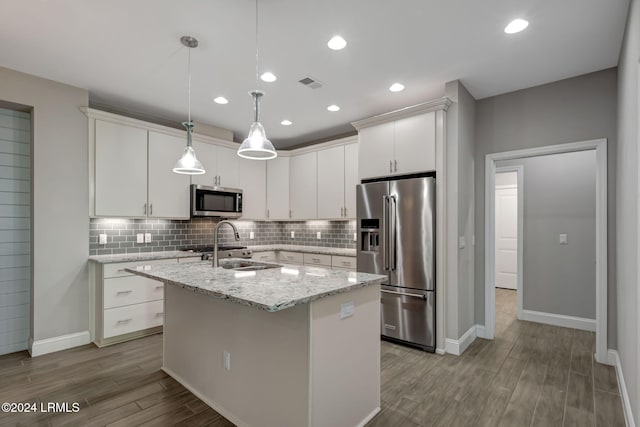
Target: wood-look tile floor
point(530, 375)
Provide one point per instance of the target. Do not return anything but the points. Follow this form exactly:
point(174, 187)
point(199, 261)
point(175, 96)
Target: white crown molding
point(128, 121)
point(63, 342)
point(425, 107)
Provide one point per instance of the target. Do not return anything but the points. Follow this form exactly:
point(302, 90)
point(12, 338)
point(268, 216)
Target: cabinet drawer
point(316, 259)
point(121, 291)
point(267, 256)
point(189, 259)
point(347, 262)
point(291, 257)
point(132, 318)
point(117, 269)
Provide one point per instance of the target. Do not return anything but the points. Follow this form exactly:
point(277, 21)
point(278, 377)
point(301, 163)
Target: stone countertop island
point(282, 346)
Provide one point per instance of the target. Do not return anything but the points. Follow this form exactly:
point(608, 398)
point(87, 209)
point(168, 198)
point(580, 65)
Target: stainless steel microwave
point(216, 201)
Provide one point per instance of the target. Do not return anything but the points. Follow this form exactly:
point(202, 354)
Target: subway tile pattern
point(171, 235)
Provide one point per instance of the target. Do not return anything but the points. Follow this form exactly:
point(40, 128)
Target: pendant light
point(256, 146)
point(189, 163)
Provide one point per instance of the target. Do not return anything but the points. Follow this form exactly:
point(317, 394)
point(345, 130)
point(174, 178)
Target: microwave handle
point(238, 202)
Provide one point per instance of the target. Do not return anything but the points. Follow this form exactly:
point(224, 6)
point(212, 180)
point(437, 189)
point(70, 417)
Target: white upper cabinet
point(220, 163)
point(253, 177)
point(278, 188)
point(398, 147)
point(168, 191)
point(376, 150)
point(415, 144)
point(331, 183)
point(350, 179)
point(303, 186)
point(120, 170)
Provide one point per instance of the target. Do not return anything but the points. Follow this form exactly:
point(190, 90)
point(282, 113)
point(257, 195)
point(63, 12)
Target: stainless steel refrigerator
point(396, 237)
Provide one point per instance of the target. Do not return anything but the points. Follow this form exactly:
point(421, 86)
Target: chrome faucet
point(215, 262)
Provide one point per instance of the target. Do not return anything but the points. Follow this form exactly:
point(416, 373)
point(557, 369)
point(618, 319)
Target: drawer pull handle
point(159, 314)
point(123, 292)
point(122, 270)
point(346, 263)
point(120, 322)
point(159, 287)
point(315, 260)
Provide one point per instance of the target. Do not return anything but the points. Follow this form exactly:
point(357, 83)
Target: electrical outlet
point(318, 235)
point(355, 237)
point(564, 239)
point(140, 238)
point(293, 234)
point(226, 360)
point(103, 239)
point(147, 237)
point(347, 309)
point(252, 235)
point(461, 242)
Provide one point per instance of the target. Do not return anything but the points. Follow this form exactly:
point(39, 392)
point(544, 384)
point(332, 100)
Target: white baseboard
point(480, 331)
point(369, 417)
point(51, 345)
point(458, 346)
point(559, 320)
point(441, 351)
point(622, 387)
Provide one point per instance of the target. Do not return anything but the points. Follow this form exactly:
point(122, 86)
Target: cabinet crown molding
point(414, 110)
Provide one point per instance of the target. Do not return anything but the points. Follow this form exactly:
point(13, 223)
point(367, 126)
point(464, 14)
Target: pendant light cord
point(189, 72)
point(257, 69)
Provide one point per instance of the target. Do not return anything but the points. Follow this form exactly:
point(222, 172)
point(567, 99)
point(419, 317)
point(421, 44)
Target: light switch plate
point(252, 235)
point(140, 238)
point(147, 237)
point(293, 234)
point(347, 309)
point(355, 237)
point(318, 235)
point(102, 239)
point(564, 239)
point(226, 360)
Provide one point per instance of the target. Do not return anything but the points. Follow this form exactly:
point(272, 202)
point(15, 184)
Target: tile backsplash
point(170, 235)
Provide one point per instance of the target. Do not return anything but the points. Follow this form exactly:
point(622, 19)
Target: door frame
point(519, 170)
point(600, 147)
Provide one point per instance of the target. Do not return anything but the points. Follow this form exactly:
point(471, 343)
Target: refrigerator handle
point(393, 228)
point(385, 233)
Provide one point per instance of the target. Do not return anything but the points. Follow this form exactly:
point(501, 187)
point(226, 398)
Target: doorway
point(508, 221)
point(599, 147)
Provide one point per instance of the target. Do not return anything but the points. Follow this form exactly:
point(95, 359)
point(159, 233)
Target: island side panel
point(345, 359)
point(268, 383)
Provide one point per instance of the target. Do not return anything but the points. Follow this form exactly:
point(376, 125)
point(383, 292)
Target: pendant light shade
point(256, 146)
point(189, 164)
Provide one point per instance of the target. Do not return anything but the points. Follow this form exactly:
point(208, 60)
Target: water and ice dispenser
point(370, 235)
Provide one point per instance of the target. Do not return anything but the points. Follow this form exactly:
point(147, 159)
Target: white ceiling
point(128, 55)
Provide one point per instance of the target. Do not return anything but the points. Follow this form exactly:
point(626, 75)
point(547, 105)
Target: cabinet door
point(415, 144)
point(208, 156)
point(375, 150)
point(228, 167)
point(350, 179)
point(278, 188)
point(303, 186)
point(121, 170)
point(253, 176)
point(331, 183)
point(168, 191)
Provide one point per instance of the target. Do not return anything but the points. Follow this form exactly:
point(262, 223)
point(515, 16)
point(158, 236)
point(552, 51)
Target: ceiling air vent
point(311, 83)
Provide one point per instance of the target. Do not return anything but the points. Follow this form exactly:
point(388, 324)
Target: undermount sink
point(246, 265)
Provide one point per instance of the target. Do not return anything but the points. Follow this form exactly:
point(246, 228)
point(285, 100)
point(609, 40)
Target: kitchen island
point(275, 346)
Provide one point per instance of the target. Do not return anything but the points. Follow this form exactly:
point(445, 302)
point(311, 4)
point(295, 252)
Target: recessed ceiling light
point(268, 77)
point(337, 43)
point(333, 108)
point(286, 122)
point(221, 100)
point(396, 87)
point(516, 26)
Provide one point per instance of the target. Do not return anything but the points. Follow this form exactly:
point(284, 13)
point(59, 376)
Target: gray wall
point(575, 109)
point(559, 197)
point(60, 202)
point(460, 147)
point(627, 207)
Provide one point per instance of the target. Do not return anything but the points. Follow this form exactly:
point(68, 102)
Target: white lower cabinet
point(126, 306)
point(266, 256)
point(294, 258)
point(343, 263)
point(317, 259)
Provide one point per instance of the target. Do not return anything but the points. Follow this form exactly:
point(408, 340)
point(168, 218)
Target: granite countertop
point(305, 249)
point(142, 256)
point(271, 289)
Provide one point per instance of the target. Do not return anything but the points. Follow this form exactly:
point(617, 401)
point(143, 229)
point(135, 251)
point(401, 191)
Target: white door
point(228, 165)
point(331, 183)
point(253, 182)
point(208, 156)
point(278, 188)
point(415, 144)
point(507, 237)
point(376, 150)
point(168, 191)
point(303, 186)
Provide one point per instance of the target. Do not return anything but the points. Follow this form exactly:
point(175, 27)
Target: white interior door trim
point(600, 146)
point(519, 170)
